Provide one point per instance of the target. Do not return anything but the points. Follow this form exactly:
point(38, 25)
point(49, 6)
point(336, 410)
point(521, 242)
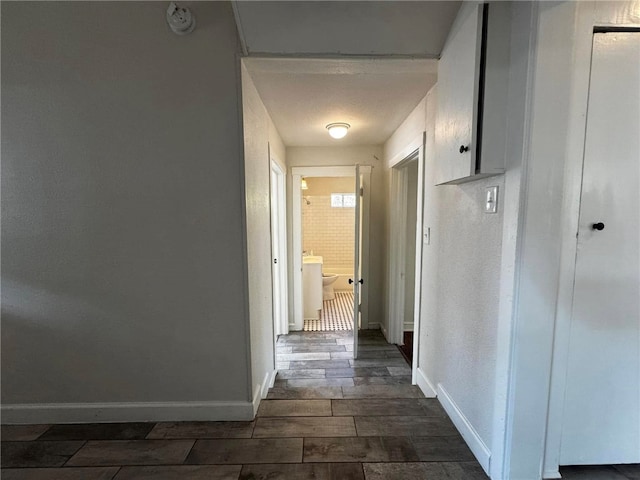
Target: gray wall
point(123, 266)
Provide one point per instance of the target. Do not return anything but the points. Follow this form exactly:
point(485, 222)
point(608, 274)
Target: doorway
point(328, 208)
point(406, 253)
point(362, 204)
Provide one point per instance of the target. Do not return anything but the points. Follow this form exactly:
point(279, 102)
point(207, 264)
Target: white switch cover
point(491, 200)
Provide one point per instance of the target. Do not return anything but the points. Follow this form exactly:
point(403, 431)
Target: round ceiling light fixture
point(338, 130)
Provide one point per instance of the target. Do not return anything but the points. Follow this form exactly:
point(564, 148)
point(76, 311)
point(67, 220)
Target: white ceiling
point(308, 28)
point(373, 95)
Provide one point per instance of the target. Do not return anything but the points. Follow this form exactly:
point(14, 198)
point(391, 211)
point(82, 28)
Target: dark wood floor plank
point(181, 472)
point(303, 471)
point(397, 380)
point(38, 453)
point(359, 449)
point(131, 452)
point(98, 431)
point(382, 391)
point(357, 372)
point(304, 393)
point(22, 433)
point(413, 426)
point(168, 430)
point(442, 449)
point(272, 427)
point(65, 473)
point(294, 408)
point(378, 406)
point(246, 451)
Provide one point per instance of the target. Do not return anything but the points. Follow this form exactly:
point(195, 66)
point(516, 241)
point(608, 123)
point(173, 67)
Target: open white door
point(278, 251)
point(357, 262)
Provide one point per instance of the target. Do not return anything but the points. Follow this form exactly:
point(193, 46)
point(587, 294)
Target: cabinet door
point(458, 87)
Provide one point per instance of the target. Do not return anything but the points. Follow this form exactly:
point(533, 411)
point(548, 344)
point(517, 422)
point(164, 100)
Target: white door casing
point(357, 260)
point(279, 250)
point(297, 173)
point(601, 419)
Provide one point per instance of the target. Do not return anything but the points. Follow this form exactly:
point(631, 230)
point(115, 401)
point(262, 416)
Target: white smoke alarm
point(180, 19)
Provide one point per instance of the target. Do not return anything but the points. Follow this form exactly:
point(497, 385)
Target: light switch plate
point(491, 199)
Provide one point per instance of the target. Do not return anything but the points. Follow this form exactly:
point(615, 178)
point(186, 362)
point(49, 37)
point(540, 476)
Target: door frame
point(414, 151)
point(278, 201)
point(297, 322)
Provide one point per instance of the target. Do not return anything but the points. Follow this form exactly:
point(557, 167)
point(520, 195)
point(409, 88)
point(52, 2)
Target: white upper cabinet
point(472, 94)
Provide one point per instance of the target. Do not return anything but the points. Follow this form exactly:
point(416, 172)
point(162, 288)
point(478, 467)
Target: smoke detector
point(180, 19)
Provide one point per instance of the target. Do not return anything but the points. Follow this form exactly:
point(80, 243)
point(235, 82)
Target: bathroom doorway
point(328, 209)
point(323, 235)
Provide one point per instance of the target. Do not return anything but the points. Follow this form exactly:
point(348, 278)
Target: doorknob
point(275, 260)
point(598, 226)
point(464, 148)
point(361, 281)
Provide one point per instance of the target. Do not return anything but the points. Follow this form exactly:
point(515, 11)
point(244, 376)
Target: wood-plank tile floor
point(329, 417)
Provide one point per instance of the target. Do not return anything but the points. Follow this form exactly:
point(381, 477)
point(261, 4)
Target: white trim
point(407, 327)
point(414, 151)
point(262, 390)
point(425, 384)
point(417, 294)
point(521, 85)
point(406, 151)
point(281, 326)
point(551, 474)
point(475, 443)
point(383, 329)
point(125, 412)
point(296, 228)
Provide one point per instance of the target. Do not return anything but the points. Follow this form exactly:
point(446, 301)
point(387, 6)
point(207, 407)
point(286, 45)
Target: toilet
point(327, 286)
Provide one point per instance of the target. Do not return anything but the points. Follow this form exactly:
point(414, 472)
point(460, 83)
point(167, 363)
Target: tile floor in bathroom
point(328, 417)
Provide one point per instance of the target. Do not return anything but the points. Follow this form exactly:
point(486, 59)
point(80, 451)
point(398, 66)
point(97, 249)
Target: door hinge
point(362, 191)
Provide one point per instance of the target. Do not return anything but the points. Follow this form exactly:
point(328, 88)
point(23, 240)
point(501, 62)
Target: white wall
point(123, 266)
point(346, 156)
point(259, 136)
point(554, 144)
point(468, 270)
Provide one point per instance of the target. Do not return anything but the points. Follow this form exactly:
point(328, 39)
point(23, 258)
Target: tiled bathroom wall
point(328, 231)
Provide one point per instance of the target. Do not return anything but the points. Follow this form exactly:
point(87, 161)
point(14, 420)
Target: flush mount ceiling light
point(338, 130)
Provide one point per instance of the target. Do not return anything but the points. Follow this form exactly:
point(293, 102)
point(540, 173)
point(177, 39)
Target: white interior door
point(601, 419)
point(278, 251)
point(357, 262)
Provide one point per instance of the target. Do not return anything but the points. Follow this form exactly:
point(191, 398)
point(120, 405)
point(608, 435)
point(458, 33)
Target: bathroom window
point(343, 200)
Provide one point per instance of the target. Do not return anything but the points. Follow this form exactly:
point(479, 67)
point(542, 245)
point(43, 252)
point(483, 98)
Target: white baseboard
point(125, 412)
point(373, 326)
point(425, 385)
point(551, 474)
point(407, 327)
point(384, 332)
point(475, 443)
point(262, 390)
